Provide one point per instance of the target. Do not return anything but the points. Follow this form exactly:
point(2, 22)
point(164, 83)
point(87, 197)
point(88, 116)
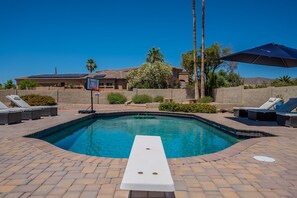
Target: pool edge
point(228, 152)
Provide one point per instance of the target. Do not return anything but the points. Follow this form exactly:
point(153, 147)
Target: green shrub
point(192, 108)
point(116, 98)
point(248, 87)
point(142, 99)
point(38, 100)
point(159, 99)
point(206, 99)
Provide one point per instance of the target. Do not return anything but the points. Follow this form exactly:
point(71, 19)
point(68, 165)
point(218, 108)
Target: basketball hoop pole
point(92, 100)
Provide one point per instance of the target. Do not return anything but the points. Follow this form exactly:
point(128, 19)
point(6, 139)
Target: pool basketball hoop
point(97, 89)
point(92, 84)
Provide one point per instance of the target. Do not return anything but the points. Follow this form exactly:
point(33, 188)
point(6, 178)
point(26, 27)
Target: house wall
point(104, 83)
point(121, 84)
point(184, 77)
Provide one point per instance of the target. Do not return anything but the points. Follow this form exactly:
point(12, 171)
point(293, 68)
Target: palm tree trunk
point(202, 54)
point(195, 50)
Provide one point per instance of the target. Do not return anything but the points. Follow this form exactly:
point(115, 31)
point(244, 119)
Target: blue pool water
point(114, 136)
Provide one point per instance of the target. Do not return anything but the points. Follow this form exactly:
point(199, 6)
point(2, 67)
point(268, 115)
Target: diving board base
point(86, 111)
point(147, 194)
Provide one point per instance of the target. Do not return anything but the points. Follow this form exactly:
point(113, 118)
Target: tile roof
point(58, 76)
point(114, 74)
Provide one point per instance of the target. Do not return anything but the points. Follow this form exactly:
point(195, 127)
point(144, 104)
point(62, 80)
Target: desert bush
point(192, 108)
point(159, 99)
point(116, 98)
point(142, 99)
point(39, 100)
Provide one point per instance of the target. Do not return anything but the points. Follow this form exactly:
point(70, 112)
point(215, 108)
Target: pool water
point(113, 136)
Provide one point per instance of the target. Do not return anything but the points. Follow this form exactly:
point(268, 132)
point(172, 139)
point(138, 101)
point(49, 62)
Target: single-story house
point(109, 79)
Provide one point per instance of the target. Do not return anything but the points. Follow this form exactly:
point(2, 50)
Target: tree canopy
point(91, 65)
point(154, 55)
point(28, 84)
point(155, 75)
point(9, 85)
point(284, 81)
point(212, 63)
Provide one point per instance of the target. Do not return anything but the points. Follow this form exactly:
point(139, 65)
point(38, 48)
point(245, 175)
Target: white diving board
point(147, 168)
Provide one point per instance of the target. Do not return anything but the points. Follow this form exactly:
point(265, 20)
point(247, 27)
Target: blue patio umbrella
point(271, 54)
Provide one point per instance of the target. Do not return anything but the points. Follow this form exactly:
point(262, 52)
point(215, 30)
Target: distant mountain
point(257, 81)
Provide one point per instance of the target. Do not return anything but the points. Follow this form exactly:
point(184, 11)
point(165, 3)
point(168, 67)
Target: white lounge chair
point(243, 111)
point(27, 113)
point(270, 115)
point(45, 110)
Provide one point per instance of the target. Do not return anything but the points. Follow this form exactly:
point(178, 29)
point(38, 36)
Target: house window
point(109, 84)
point(101, 84)
point(62, 84)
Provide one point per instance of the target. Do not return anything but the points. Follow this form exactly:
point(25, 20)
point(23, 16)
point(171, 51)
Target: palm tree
point(91, 65)
point(154, 55)
point(285, 79)
point(195, 50)
point(202, 53)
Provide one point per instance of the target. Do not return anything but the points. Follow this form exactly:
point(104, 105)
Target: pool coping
point(228, 152)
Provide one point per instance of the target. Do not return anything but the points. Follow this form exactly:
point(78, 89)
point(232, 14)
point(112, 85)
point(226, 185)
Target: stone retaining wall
point(79, 96)
point(252, 97)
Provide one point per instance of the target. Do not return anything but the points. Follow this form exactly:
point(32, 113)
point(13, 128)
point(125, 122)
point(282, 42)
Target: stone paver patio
point(33, 168)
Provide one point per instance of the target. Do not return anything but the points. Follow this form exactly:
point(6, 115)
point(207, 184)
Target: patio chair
point(10, 117)
point(243, 111)
point(270, 115)
point(26, 113)
point(287, 119)
point(45, 110)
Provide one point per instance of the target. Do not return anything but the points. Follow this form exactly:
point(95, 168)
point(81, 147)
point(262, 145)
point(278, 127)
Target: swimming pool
point(113, 136)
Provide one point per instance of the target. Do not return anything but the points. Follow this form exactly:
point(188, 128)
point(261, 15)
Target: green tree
point(234, 79)
point(223, 78)
point(188, 61)
point(1, 86)
point(154, 55)
point(155, 75)
point(28, 84)
point(212, 62)
point(282, 81)
point(9, 85)
point(285, 79)
point(91, 65)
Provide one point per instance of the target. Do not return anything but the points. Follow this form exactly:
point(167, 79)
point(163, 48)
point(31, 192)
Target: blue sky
point(37, 36)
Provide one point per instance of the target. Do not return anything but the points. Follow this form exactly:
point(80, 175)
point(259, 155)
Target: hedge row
point(192, 108)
